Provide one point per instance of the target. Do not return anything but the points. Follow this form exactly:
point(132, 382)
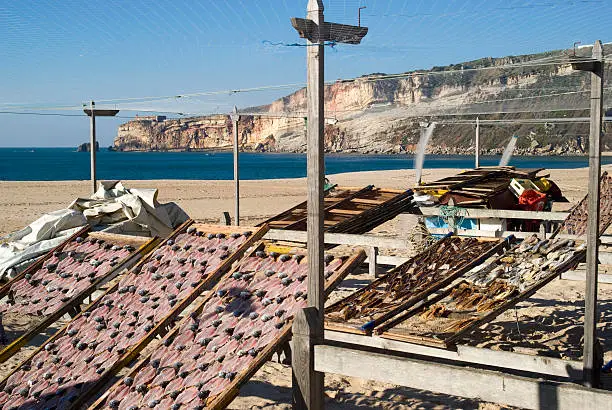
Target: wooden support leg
point(73, 312)
point(307, 385)
point(225, 219)
point(284, 353)
point(373, 259)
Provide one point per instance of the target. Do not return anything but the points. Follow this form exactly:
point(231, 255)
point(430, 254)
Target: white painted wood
point(341, 239)
point(468, 354)
point(581, 276)
point(501, 213)
point(372, 260)
point(389, 260)
point(467, 382)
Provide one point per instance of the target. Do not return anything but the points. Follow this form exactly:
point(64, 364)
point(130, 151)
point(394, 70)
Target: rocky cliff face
point(381, 114)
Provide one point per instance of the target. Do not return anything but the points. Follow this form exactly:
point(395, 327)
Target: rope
point(420, 238)
point(452, 215)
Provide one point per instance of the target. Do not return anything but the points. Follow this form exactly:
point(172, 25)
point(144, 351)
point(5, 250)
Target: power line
point(51, 114)
point(538, 63)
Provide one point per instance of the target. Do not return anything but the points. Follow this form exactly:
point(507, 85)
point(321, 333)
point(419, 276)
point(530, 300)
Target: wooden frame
point(222, 400)
point(389, 331)
point(367, 328)
point(454, 380)
point(145, 246)
point(275, 220)
point(488, 358)
point(135, 349)
point(351, 211)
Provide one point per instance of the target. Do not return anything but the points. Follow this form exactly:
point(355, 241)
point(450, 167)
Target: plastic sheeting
point(19, 249)
point(113, 203)
point(113, 208)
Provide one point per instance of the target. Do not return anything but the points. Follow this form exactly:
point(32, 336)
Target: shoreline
point(243, 150)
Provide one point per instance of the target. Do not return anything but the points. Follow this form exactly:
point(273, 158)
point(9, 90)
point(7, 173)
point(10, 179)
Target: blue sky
point(57, 53)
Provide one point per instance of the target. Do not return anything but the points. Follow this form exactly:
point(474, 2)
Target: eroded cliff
point(380, 113)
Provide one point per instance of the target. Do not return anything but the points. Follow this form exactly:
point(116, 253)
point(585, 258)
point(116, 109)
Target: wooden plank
point(485, 385)
point(501, 213)
point(581, 276)
point(344, 212)
point(372, 256)
point(503, 234)
point(334, 205)
point(235, 119)
point(92, 148)
point(368, 201)
point(304, 379)
point(550, 366)
point(342, 239)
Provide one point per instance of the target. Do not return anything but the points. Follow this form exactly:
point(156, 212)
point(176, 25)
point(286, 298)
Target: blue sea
point(64, 164)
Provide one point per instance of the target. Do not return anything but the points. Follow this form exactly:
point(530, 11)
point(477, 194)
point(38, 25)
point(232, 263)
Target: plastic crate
point(518, 186)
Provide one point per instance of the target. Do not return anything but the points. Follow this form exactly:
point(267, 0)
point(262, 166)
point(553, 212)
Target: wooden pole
point(306, 393)
point(590, 362)
point(372, 261)
point(477, 147)
point(315, 162)
point(92, 147)
point(235, 118)
point(308, 385)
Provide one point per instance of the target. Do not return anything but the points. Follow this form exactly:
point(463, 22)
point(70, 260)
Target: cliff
point(379, 113)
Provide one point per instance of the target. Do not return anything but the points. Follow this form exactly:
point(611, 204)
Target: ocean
point(64, 164)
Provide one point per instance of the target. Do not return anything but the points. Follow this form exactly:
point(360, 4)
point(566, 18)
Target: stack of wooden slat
point(477, 187)
point(350, 210)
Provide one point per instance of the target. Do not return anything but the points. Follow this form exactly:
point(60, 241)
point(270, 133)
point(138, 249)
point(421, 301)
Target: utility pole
point(92, 112)
point(235, 118)
point(308, 384)
point(359, 15)
point(591, 360)
point(477, 156)
point(92, 147)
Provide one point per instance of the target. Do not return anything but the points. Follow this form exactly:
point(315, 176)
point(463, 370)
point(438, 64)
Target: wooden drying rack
point(74, 304)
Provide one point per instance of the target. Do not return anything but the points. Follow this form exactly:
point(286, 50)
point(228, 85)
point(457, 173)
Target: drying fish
point(241, 318)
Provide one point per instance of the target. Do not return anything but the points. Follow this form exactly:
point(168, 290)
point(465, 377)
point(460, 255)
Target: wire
point(537, 63)
point(50, 114)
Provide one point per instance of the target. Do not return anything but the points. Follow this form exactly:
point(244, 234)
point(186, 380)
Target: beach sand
point(550, 322)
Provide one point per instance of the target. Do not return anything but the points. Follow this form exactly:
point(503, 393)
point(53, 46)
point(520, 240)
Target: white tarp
point(113, 203)
point(134, 211)
point(47, 232)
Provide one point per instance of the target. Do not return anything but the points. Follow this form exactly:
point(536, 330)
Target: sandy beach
point(550, 321)
point(23, 202)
